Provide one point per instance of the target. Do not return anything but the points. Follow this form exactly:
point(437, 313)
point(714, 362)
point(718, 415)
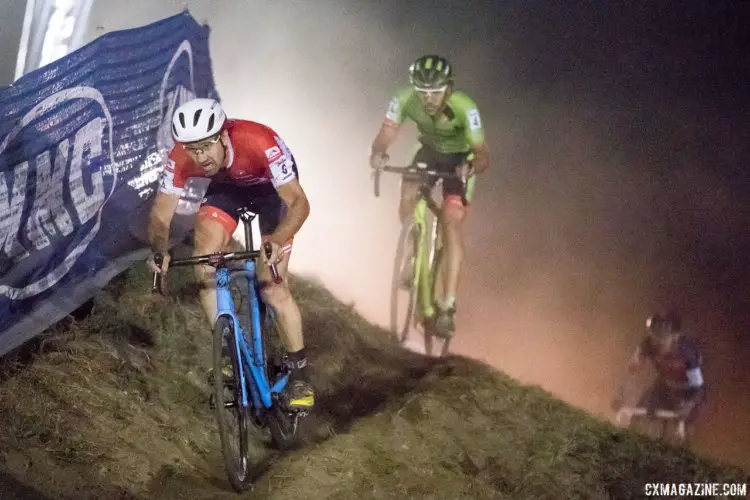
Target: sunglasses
point(200, 147)
point(430, 92)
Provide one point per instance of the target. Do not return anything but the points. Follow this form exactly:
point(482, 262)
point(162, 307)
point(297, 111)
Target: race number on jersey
point(475, 122)
point(394, 110)
point(280, 163)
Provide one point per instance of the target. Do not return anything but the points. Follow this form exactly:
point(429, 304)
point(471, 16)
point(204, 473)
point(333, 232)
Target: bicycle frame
point(428, 242)
point(251, 354)
point(425, 251)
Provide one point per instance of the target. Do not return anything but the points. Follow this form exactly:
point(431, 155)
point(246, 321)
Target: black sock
point(298, 363)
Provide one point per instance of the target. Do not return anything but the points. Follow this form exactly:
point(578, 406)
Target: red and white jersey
point(255, 155)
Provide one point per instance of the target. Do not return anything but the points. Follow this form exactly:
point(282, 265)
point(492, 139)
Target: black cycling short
point(261, 199)
point(443, 162)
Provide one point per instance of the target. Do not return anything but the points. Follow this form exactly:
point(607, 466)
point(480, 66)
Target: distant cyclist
point(679, 383)
point(452, 140)
point(246, 162)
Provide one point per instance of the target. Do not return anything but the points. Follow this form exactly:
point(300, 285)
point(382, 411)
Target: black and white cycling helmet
point(197, 119)
point(431, 72)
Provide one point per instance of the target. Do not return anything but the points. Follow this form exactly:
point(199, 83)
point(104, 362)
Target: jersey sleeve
point(468, 113)
point(278, 158)
point(397, 107)
point(171, 179)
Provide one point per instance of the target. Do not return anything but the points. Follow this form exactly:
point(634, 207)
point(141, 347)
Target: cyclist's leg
point(216, 221)
point(697, 403)
point(453, 216)
point(409, 191)
point(300, 394)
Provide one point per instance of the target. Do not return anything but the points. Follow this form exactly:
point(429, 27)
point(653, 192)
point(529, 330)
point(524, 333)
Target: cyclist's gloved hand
point(379, 160)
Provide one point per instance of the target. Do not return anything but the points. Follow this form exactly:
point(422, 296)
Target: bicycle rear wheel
point(231, 417)
point(404, 282)
point(281, 424)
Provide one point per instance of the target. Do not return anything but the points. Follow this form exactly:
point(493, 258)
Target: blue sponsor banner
point(82, 142)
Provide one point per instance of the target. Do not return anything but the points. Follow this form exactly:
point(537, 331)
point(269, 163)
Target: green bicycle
point(417, 268)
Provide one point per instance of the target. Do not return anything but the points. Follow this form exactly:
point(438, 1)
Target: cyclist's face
point(208, 154)
point(432, 99)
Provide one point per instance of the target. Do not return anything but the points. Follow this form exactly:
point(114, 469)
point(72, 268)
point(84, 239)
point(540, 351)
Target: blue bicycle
point(242, 355)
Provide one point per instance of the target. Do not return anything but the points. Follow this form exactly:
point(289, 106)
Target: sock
point(449, 302)
point(298, 363)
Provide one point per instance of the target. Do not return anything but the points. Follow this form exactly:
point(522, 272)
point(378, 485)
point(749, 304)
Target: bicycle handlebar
point(214, 260)
point(416, 171)
point(641, 412)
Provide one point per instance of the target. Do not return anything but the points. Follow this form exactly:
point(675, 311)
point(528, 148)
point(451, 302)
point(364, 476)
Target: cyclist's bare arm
point(386, 136)
point(635, 363)
point(298, 209)
point(160, 219)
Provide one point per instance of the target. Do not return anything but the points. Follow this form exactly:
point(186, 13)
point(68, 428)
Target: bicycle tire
point(281, 425)
point(408, 240)
point(238, 467)
point(434, 276)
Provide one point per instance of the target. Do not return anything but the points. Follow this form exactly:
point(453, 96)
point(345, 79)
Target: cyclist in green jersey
point(452, 139)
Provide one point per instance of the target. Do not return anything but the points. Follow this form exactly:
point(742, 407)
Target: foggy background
point(618, 137)
point(11, 24)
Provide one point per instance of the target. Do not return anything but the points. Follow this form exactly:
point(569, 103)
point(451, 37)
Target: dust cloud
point(616, 183)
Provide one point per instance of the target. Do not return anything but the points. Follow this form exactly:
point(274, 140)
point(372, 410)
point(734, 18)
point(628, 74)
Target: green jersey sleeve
point(398, 105)
point(468, 112)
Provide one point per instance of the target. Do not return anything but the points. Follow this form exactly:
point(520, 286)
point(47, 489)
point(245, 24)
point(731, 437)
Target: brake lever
point(274, 272)
point(156, 286)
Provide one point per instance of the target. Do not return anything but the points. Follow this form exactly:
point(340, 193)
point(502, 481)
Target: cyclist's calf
point(210, 237)
point(409, 196)
point(454, 211)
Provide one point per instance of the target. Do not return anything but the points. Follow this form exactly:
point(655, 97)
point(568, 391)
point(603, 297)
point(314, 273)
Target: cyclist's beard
point(210, 169)
point(212, 166)
point(434, 109)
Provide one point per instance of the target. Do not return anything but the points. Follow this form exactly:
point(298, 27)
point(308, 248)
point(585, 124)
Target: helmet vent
point(197, 117)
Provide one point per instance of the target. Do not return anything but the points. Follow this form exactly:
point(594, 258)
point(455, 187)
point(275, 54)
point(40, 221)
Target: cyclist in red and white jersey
point(246, 162)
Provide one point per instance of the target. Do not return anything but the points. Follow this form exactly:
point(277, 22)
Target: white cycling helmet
point(197, 119)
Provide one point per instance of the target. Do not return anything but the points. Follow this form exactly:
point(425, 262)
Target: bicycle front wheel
point(231, 416)
point(404, 282)
point(437, 292)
